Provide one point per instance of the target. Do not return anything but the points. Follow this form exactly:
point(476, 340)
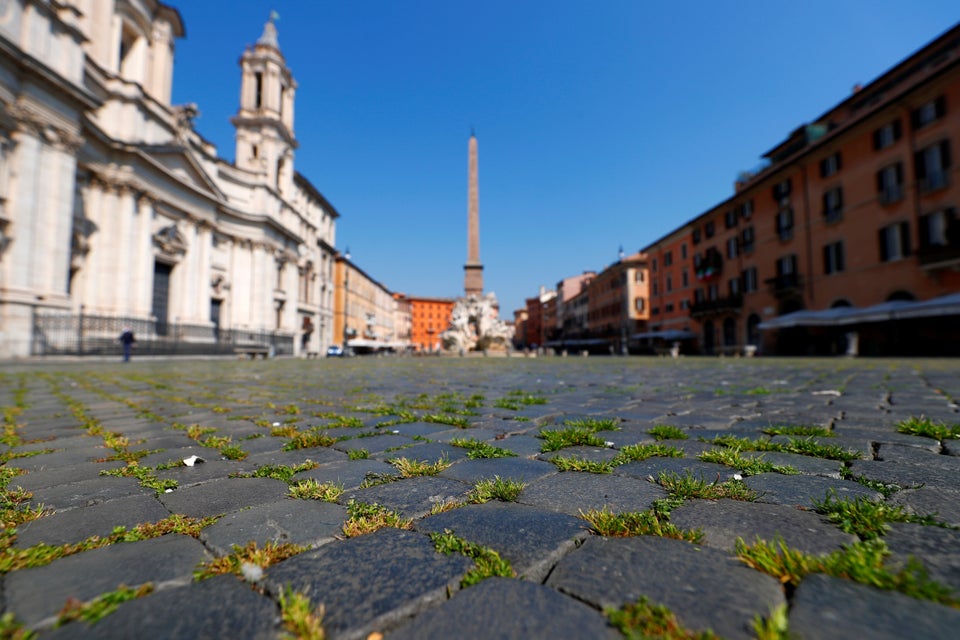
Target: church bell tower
point(264, 123)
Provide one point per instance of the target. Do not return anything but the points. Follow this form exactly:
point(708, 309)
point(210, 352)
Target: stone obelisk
point(473, 270)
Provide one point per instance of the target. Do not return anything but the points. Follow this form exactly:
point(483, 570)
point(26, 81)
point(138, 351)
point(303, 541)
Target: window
point(713, 292)
point(708, 229)
point(638, 276)
point(684, 304)
point(886, 135)
point(655, 289)
point(746, 239)
point(696, 236)
point(830, 165)
point(833, 258)
point(698, 296)
point(685, 278)
point(939, 229)
point(653, 265)
point(931, 165)
point(668, 258)
point(668, 308)
point(730, 218)
point(655, 311)
point(787, 265)
point(669, 283)
point(745, 210)
point(781, 190)
point(895, 242)
point(683, 251)
point(734, 286)
point(928, 112)
point(833, 204)
point(890, 183)
point(785, 223)
point(258, 90)
point(749, 277)
point(638, 304)
point(733, 248)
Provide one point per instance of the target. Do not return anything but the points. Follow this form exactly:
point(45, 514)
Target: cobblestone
point(73, 421)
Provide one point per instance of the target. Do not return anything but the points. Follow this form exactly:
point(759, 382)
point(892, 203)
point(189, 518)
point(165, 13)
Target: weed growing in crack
point(554, 440)
point(251, 553)
point(312, 489)
point(442, 418)
point(636, 523)
point(574, 463)
point(687, 486)
point(145, 475)
point(640, 452)
point(487, 562)
point(481, 450)
point(775, 626)
point(928, 428)
point(280, 471)
point(667, 432)
point(496, 489)
point(860, 562)
point(411, 468)
point(103, 605)
point(866, 518)
point(358, 454)
point(799, 430)
point(307, 439)
point(645, 620)
point(14, 630)
point(299, 616)
point(366, 518)
point(747, 465)
point(801, 446)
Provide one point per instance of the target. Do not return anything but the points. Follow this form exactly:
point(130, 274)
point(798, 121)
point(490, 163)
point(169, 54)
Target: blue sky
point(600, 123)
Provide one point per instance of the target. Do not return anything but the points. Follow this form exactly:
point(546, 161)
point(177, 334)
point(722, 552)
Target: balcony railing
point(785, 285)
point(891, 193)
point(95, 335)
point(935, 180)
point(939, 256)
point(718, 306)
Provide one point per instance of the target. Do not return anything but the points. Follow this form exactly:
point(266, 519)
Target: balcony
point(890, 194)
point(786, 285)
point(935, 181)
point(719, 306)
point(939, 256)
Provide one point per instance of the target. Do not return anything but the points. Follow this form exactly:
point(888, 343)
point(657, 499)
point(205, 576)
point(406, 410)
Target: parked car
point(335, 351)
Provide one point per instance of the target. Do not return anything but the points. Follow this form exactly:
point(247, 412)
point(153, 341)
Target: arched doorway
point(729, 333)
point(753, 330)
point(709, 340)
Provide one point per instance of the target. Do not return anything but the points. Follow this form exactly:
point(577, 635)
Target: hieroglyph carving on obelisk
point(473, 270)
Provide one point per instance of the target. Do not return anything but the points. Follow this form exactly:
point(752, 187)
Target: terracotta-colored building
point(429, 318)
point(853, 210)
point(619, 302)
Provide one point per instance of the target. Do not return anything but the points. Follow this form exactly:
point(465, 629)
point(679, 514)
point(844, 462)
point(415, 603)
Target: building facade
point(851, 220)
point(429, 318)
point(364, 311)
point(114, 210)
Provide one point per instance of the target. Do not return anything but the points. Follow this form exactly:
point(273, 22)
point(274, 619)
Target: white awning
point(947, 305)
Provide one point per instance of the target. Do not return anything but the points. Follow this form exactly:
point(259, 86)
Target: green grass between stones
point(487, 562)
point(928, 428)
point(496, 488)
point(801, 446)
point(642, 620)
point(481, 450)
point(865, 518)
point(636, 523)
point(747, 465)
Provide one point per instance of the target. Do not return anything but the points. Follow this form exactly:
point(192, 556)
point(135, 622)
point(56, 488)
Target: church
point(115, 212)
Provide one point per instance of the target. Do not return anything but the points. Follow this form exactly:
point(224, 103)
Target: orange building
point(429, 317)
point(845, 240)
point(619, 302)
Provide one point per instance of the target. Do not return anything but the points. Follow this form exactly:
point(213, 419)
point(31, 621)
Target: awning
point(670, 334)
point(947, 305)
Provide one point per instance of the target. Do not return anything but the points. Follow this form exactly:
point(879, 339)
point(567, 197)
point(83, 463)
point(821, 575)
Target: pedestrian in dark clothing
point(127, 339)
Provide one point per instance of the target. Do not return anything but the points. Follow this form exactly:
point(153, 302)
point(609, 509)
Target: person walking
point(127, 339)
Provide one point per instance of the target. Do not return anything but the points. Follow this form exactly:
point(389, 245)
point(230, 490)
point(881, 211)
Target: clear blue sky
point(601, 123)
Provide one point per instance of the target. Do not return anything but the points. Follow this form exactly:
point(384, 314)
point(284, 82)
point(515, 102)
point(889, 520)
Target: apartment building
point(618, 305)
point(429, 318)
point(364, 311)
point(845, 240)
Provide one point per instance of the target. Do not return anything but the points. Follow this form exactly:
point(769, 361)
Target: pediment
point(181, 163)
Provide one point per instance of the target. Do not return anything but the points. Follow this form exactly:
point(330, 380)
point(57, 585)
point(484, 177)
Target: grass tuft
point(481, 450)
point(866, 518)
point(487, 562)
point(667, 432)
point(747, 465)
point(300, 618)
point(928, 428)
point(313, 489)
point(640, 452)
point(636, 523)
point(410, 468)
point(575, 463)
point(556, 439)
point(687, 486)
point(799, 430)
point(270, 554)
point(103, 605)
point(307, 439)
point(642, 620)
point(367, 518)
point(496, 489)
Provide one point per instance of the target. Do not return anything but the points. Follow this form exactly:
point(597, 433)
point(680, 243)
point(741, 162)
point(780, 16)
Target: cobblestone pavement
point(502, 482)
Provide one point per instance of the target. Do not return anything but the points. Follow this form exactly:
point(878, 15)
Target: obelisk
point(473, 270)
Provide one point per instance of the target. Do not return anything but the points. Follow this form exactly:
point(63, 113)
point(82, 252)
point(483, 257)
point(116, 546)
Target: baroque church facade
point(114, 210)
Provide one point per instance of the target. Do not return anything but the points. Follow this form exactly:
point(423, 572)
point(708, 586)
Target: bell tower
point(264, 123)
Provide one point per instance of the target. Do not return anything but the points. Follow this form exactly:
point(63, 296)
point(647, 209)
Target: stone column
point(473, 270)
